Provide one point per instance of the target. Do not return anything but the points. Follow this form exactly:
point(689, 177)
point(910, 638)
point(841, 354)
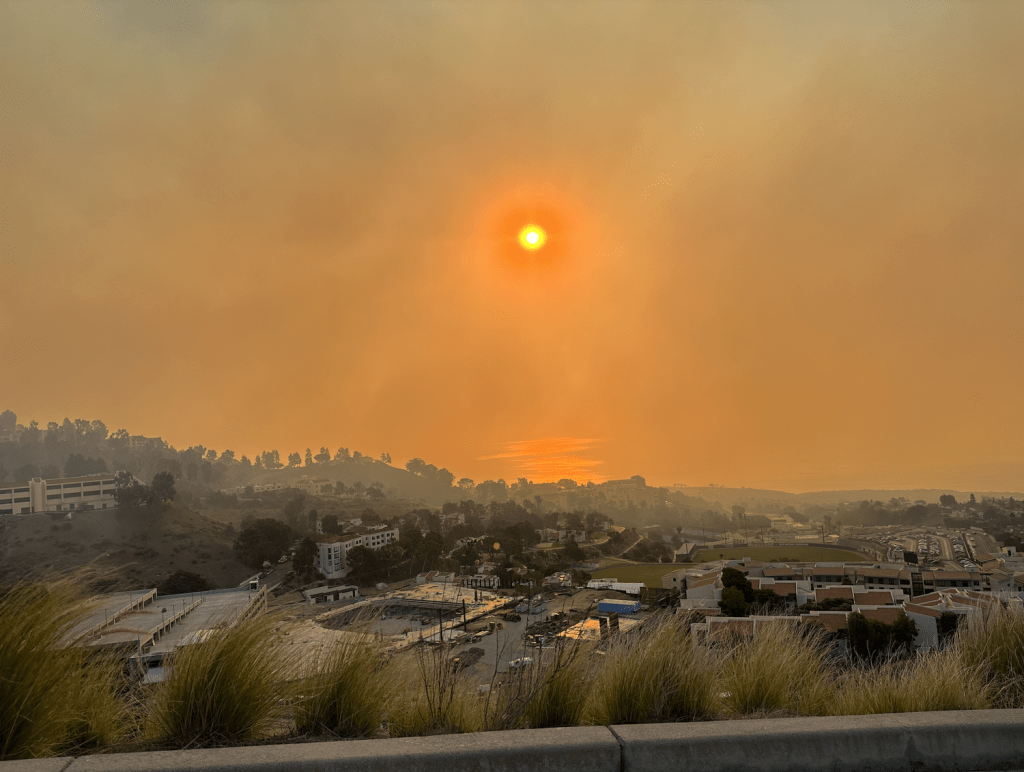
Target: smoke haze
point(786, 247)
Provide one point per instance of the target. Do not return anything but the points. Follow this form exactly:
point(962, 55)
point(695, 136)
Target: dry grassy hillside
point(138, 551)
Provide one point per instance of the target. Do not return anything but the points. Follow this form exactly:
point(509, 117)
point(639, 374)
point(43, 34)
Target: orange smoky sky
point(784, 245)
point(553, 458)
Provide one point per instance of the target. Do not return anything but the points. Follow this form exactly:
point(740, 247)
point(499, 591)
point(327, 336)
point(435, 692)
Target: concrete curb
point(953, 741)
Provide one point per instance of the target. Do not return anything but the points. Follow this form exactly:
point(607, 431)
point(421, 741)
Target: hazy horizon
point(783, 239)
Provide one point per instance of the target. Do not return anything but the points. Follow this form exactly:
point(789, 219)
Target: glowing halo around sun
point(532, 237)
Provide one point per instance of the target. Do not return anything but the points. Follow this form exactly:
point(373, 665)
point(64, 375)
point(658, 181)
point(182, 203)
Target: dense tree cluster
point(870, 638)
point(130, 495)
point(739, 598)
point(79, 465)
point(261, 540)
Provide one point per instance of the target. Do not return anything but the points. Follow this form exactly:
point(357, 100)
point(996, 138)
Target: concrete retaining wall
point(954, 741)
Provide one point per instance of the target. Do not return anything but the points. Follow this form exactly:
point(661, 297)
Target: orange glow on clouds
point(552, 459)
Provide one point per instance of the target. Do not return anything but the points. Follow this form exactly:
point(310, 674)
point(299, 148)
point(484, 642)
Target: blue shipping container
point(618, 606)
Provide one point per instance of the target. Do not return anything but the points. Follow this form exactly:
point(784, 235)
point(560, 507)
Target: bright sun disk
point(532, 237)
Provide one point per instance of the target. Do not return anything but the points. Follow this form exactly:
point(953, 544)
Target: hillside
point(136, 551)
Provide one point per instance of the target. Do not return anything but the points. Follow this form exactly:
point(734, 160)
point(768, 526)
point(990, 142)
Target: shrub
point(53, 698)
point(656, 674)
point(224, 689)
point(780, 669)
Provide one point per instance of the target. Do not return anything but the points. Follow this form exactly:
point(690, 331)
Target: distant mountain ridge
point(729, 496)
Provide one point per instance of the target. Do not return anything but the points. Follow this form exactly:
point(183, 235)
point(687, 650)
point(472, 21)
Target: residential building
point(138, 442)
point(332, 553)
point(947, 580)
point(885, 578)
point(315, 487)
point(826, 574)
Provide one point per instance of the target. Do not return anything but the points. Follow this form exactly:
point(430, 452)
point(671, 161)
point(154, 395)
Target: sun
point(532, 237)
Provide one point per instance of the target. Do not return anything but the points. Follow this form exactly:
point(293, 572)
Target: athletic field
point(648, 573)
point(781, 554)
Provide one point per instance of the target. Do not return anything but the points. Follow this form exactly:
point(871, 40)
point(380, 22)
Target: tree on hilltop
point(162, 489)
point(8, 420)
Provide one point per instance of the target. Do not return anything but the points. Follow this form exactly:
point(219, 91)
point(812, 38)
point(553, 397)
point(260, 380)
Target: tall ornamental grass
point(439, 699)
point(225, 689)
point(992, 641)
point(549, 691)
point(655, 674)
point(563, 688)
point(781, 669)
point(54, 698)
point(349, 693)
point(929, 681)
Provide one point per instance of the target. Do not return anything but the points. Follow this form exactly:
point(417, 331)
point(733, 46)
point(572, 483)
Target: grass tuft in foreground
point(781, 669)
point(993, 643)
point(563, 688)
point(656, 674)
point(53, 698)
point(225, 689)
point(928, 681)
point(350, 692)
point(438, 698)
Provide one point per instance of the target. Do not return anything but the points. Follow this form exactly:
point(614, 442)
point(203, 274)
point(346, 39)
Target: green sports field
point(781, 554)
point(648, 573)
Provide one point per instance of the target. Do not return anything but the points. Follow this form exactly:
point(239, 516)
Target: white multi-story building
point(61, 495)
point(332, 553)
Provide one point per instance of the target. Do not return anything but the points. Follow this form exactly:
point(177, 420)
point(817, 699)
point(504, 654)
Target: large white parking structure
point(65, 494)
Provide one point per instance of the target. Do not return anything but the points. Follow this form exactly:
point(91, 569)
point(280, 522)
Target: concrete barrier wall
point(953, 741)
